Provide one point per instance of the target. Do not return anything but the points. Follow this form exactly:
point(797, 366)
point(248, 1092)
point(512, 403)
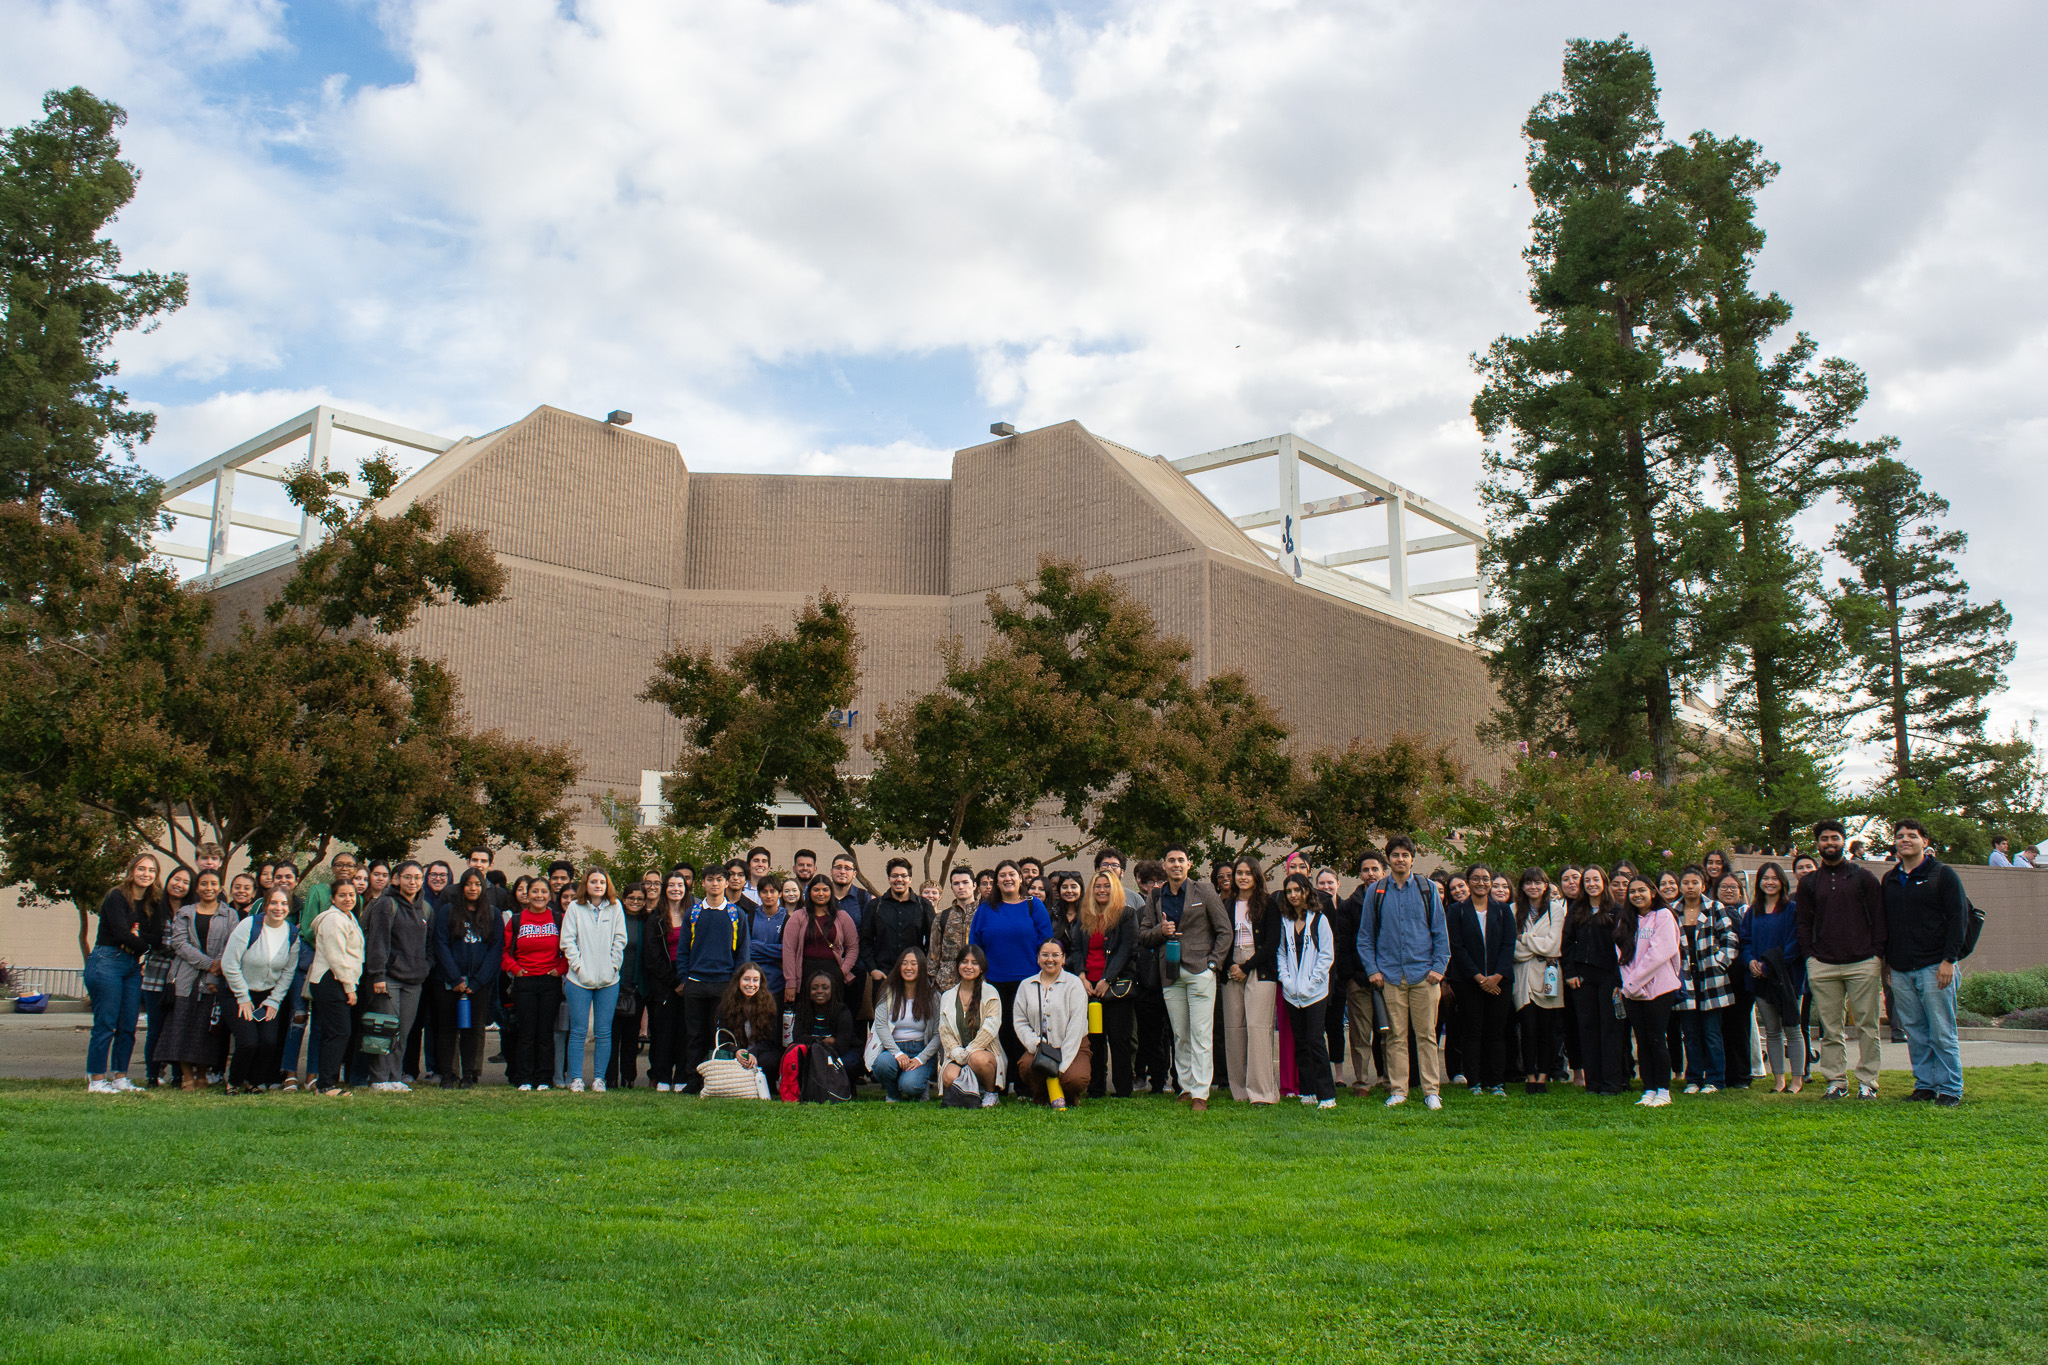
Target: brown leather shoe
point(1201, 1106)
point(1186, 1098)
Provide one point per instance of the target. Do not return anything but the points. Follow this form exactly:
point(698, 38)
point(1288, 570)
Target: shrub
point(1970, 1019)
point(1998, 993)
point(2031, 1018)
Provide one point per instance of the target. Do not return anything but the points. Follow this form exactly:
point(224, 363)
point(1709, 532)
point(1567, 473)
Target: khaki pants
point(1358, 1025)
point(1842, 989)
point(1250, 1038)
point(1412, 1007)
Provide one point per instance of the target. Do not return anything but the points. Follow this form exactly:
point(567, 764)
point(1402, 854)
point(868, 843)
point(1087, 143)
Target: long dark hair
point(1785, 889)
point(1309, 899)
point(972, 1004)
point(817, 880)
point(1255, 903)
point(923, 1000)
point(1525, 909)
point(995, 889)
point(758, 1016)
point(1583, 907)
point(1626, 918)
point(471, 914)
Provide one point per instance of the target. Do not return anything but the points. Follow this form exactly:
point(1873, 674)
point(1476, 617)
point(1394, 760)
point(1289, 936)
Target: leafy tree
point(759, 722)
point(638, 849)
point(1214, 775)
point(963, 765)
point(1550, 810)
point(1924, 657)
point(1593, 503)
point(66, 301)
point(122, 716)
point(1771, 424)
point(1357, 796)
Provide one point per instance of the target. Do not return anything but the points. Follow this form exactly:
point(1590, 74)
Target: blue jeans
point(114, 981)
point(1928, 1014)
point(583, 1003)
point(913, 1084)
point(1705, 1062)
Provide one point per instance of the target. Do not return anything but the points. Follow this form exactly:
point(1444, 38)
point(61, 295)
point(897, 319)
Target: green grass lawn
point(488, 1225)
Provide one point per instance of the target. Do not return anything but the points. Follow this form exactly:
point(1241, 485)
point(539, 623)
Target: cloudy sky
point(846, 235)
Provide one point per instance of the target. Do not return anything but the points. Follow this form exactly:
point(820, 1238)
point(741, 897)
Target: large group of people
point(1053, 985)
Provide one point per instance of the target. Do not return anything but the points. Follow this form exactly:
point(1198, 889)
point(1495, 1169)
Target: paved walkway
point(52, 1046)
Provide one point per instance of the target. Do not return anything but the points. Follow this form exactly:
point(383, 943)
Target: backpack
point(825, 1078)
point(1973, 918)
point(789, 1085)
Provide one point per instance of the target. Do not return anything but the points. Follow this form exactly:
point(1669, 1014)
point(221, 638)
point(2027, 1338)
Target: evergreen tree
point(1924, 656)
point(65, 302)
point(1593, 504)
point(1771, 425)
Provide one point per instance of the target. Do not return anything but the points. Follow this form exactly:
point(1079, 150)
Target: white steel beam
point(308, 529)
point(1375, 553)
point(223, 517)
point(174, 550)
point(1397, 549)
point(1444, 585)
point(1365, 478)
point(1316, 507)
point(185, 507)
point(1229, 455)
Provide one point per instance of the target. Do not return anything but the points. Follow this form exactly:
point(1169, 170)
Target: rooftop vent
point(619, 417)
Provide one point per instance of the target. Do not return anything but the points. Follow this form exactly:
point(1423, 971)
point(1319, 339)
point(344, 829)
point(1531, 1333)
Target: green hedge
point(1999, 993)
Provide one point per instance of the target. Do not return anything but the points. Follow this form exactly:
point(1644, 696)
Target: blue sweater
point(1758, 934)
point(1010, 935)
point(714, 943)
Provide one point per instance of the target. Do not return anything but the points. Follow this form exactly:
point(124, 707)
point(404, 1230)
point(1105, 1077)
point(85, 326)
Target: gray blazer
point(191, 959)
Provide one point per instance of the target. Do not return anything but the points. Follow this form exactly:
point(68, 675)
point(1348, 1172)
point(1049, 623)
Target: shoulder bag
point(1045, 1058)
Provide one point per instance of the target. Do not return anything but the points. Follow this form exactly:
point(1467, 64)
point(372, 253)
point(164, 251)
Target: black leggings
point(664, 1037)
point(1651, 1020)
point(258, 1042)
point(1481, 1028)
point(1312, 1048)
point(447, 1035)
point(1114, 1049)
point(535, 1002)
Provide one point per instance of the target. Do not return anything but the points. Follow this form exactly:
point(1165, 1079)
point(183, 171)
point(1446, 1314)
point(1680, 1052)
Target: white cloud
point(1190, 223)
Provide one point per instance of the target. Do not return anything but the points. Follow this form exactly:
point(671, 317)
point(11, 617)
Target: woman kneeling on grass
point(261, 958)
point(748, 1012)
point(332, 980)
point(904, 1042)
point(970, 1027)
point(822, 1018)
point(1051, 1011)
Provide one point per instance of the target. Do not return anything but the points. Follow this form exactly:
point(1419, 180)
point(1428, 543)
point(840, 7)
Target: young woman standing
point(1250, 993)
point(1593, 972)
point(1769, 957)
point(331, 982)
point(469, 944)
point(1539, 979)
point(200, 1019)
point(661, 943)
point(971, 1027)
point(1569, 881)
point(1106, 951)
point(261, 958)
point(113, 974)
point(594, 946)
point(1482, 971)
point(1008, 928)
point(823, 937)
point(1707, 944)
point(1647, 937)
point(1305, 957)
point(904, 1040)
point(622, 1067)
point(1738, 1020)
point(533, 960)
point(1051, 1010)
point(159, 966)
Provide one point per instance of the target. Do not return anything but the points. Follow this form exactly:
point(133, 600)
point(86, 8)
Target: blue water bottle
point(462, 1011)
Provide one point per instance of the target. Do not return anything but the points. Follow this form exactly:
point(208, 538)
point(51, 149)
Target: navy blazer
point(1469, 956)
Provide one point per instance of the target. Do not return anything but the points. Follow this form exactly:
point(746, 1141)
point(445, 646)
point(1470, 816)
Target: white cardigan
point(1057, 1013)
point(1536, 947)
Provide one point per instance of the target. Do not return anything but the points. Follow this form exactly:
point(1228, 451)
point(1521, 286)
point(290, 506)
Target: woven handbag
point(725, 1077)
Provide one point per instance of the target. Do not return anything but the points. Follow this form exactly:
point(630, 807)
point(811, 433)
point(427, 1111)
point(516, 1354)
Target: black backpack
point(1973, 918)
point(825, 1080)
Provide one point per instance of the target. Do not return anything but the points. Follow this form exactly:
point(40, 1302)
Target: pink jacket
point(846, 943)
point(1653, 971)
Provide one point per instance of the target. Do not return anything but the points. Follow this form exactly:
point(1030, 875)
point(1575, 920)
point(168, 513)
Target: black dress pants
point(331, 1025)
point(1651, 1020)
point(1481, 1026)
point(623, 1068)
point(1312, 1048)
point(259, 1042)
point(1155, 1036)
point(447, 1035)
point(1542, 1044)
point(665, 1038)
point(1114, 1048)
point(1603, 1039)
point(1013, 1046)
point(700, 1027)
point(530, 1060)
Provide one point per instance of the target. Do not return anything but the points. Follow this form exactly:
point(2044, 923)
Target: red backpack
point(790, 1084)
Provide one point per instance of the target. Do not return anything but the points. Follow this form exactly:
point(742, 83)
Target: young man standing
point(1925, 920)
point(950, 928)
point(1842, 934)
point(1187, 913)
point(1404, 948)
point(2001, 851)
point(713, 946)
point(1368, 1065)
point(804, 866)
point(758, 862)
point(852, 897)
point(896, 920)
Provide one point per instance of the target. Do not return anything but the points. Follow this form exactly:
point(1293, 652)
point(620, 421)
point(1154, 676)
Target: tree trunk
point(1658, 713)
point(1901, 755)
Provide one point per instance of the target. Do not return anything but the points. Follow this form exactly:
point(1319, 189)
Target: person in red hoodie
point(533, 960)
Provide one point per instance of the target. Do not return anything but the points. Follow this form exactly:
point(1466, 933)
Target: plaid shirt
point(1705, 952)
point(157, 962)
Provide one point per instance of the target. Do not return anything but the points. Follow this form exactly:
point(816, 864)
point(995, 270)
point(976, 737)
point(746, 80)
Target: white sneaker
point(122, 1085)
point(597, 1086)
point(1431, 1102)
point(1649, 1098)
point(1479, 1090)
point(529, 1087)
point(1326, 1104)
point(1396, 1098)
point(212, 1078)
point(1309, 1100)
point(542, 1086)
point(1458, 1079)
point(100, 1087)
point(1692, 1090)
point(401, 1087)
point(1708, 1089)
point(662, 1088)
point(989, 1099)
point(1866, 1092)
point(576, 1086)
point(1663, 1098)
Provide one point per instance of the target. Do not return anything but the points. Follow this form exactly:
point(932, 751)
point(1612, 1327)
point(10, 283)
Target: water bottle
point(1054, 1093)
point(462, 1011)
point(1550, 978)
point(1173, 956)
point(1095, 1016)
point(1620, 1009)
point(788, 1028)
